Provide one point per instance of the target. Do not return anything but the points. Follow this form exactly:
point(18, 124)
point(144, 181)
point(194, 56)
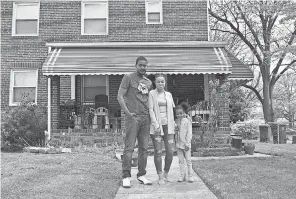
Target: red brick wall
point(65, 89)
point(60, 22)
point(114, 83)
point(55, 101)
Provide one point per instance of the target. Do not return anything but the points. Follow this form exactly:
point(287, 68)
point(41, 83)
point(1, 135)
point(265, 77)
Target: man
point(133, 99)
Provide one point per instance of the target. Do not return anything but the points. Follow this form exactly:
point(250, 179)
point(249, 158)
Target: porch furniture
point(101, 118)
point(200, 113)
point(101, 101)
point(67, 112)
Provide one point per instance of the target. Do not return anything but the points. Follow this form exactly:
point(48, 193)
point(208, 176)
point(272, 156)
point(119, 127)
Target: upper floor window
point(25, 20)
point(23, 86)
point(94, 17)
point(154, 12)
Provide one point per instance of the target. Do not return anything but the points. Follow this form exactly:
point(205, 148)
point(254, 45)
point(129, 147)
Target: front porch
point(90, 114)
point(78, 73)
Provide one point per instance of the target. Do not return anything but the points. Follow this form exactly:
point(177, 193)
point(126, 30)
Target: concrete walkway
point(172, 190)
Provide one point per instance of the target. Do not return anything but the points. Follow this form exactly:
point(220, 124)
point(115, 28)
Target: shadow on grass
point(265, 178)
point(74, 175)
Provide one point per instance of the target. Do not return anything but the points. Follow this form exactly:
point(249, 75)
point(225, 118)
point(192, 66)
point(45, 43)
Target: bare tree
point(285, 97)
point(264, 32)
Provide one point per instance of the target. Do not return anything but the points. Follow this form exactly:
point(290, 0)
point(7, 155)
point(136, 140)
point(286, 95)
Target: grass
point(67, 176)
point(270, 178)
point(287, 150)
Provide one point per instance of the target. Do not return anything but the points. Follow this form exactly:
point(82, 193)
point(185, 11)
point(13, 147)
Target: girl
point(183, 141)
point(161, 112)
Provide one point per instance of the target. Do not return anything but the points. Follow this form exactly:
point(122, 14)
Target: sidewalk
point(172, 190)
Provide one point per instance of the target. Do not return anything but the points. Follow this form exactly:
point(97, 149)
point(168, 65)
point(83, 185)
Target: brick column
point(224, 115)
point(55, 101)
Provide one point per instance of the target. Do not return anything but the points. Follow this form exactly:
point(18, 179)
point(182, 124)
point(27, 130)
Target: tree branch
point(255, 91)
point(249, 26)
point(223, 31)
point(253, 49)
point(279, 63)
point(284, 70)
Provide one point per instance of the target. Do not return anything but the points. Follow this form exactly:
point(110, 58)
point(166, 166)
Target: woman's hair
point(159, 75)
point(184, 106)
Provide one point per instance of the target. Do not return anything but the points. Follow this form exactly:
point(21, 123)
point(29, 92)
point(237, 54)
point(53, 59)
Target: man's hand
point(187, 148)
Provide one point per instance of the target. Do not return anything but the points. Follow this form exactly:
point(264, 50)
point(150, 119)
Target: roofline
point(176, 44)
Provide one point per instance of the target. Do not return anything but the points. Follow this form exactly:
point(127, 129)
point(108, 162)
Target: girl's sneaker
point(181, 179)
point(191, 180)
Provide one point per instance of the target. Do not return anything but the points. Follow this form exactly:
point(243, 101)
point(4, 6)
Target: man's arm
point(121, 94)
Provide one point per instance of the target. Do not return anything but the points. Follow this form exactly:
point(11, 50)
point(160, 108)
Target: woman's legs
point(169, 145)
point(157, 144)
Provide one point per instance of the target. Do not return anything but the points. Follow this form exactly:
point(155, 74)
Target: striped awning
point(239, 70)
point(119, 58)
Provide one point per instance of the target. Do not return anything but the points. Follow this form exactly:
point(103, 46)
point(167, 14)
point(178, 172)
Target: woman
point(161, 106)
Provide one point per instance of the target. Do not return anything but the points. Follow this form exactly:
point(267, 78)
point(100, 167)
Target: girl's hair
point(159, 75)
point(184, 106)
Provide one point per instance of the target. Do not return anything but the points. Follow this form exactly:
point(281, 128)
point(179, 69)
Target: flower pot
point(249, 149)
point(134, 162)
point(236, 142)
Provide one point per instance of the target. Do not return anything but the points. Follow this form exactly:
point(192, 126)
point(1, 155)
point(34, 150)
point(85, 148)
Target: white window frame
point(82, 89)
point(83, 2)
point(14, 18)
point(11, 103)
point(161, 11)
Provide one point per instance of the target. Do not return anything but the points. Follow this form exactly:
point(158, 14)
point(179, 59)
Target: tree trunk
point(266, 96)
point(291, 122)
point(271, 111)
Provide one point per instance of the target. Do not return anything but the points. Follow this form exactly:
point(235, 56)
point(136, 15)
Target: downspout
point(49, 103)
point(49, 107)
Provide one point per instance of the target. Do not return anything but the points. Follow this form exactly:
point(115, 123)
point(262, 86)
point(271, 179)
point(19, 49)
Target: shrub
point(24, 125)
point(248, 129)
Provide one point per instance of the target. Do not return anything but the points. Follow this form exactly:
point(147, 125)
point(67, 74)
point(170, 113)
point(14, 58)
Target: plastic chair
point(101, 101)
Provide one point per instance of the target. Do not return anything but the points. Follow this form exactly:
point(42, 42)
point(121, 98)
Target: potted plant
point(249, 148)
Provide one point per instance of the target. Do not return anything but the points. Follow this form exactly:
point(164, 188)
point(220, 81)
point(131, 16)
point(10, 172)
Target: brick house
point(70, 51)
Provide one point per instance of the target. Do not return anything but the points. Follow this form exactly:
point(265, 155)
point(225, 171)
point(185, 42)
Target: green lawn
point(252, 178)
point(287, 150)
point(63, 176)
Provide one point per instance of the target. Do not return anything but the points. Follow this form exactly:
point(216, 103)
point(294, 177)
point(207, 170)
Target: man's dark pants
point(137, 127)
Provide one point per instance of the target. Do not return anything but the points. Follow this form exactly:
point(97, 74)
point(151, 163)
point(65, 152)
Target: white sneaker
point(144, 180)
point(126, 182)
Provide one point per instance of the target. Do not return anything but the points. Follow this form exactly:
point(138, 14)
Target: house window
point(94, 85)
point(25, 20)
point(153, 12)
point(94, 18)
point(23, 86)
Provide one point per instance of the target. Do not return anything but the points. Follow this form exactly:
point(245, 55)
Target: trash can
point(274, 130)
point(282, 134)
point(294, 139)
point(265, 133)
point(236, 141)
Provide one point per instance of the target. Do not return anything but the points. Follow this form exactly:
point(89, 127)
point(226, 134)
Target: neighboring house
point(58, 51)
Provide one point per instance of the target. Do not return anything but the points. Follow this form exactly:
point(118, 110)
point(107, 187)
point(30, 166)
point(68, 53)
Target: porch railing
point(200, 112)
point(88, 116)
